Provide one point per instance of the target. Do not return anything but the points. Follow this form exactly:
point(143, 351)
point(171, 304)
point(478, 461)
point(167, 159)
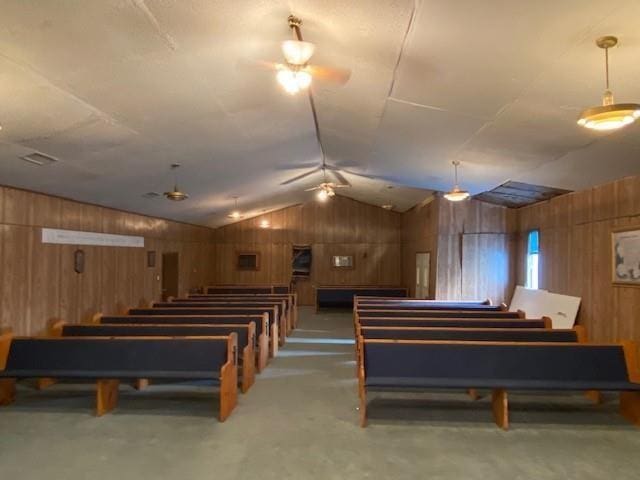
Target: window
point(533, 259)
point(248, 261)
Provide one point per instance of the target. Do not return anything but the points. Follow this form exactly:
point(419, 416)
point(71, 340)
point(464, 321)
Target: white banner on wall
point(72, 237)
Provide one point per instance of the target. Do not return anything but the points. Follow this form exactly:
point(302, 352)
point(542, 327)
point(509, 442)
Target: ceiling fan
point(296, 73)
point(327, 189)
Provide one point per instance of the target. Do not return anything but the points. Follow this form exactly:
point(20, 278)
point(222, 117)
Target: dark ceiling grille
point(517, 194)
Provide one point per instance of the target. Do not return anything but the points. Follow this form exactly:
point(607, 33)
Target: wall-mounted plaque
point(151, 258)
point(342, 261)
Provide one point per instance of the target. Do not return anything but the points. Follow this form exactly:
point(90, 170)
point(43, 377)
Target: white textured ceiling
point(118, 90)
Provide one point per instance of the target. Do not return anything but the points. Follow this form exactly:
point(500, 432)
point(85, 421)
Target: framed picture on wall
point(78, 261)
point(248, 261)
point(342, 261)
point(151, 259)
point(625, 253)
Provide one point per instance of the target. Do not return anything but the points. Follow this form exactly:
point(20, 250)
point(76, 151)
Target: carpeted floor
point(299, 421)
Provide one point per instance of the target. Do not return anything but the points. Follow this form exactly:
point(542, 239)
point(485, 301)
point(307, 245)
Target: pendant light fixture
point(456, 194)
point(235, 213)
point(175, 195)
point(609, 116)
point(295, 75)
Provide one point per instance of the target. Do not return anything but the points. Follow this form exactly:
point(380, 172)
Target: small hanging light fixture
point(609, 116)
point(175, 195)
point(456, 194)
point(235, 213)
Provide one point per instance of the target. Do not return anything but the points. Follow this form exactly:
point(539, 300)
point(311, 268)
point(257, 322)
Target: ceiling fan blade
point(365, 175)
point(299, 166)
point(259, 64)
point(300, 177)
point(342, 185)
point(330, 74)
point(340, 177)
point(313, 188)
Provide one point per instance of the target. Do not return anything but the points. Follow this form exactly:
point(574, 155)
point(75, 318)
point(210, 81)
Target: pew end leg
point(595, 396)
point(362, 408)
point(630, 407)
point(7, 391)
point(45, 382)
point(228, 390)
point(106, 396)
point(275, 338)
point(141, 383)
point(248, 368)
point(500, 405)
point(263, 352)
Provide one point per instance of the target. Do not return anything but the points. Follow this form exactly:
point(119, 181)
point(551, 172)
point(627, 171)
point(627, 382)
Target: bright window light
point(533, 259)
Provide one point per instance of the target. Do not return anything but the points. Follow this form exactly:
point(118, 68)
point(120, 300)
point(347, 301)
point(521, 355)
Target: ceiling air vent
point(39, 159)
point(151, 195)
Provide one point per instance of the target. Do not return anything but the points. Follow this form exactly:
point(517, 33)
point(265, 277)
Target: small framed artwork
point(625, 253)
point(342, 261)
point(151, 259)
point(78, 261)
point(248, 261)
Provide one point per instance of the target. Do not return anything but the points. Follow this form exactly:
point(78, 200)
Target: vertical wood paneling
point(38, 281)
point(340, 226)
point(576, 254)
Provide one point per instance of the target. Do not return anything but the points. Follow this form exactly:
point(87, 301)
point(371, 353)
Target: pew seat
point(109, 360)
point(500, 366)
point(245, 335)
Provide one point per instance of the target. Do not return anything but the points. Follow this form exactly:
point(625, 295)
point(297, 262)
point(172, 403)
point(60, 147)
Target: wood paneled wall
point(38, 282)
point(476, 247)
point(340, 226)
point(420, 235)
point(575, 253)
point(471, 245)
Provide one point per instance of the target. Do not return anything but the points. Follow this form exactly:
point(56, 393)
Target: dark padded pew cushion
point(461, 334)
point(116, 358)
point(400, 312)
point(452, 322)
point(327, 297)
point(205, 311)
point(184, 319)
point(451, 365)
point(418, 305)
point(124, 330)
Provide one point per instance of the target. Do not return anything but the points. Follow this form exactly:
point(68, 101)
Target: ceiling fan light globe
point(303, 79)
point(322, 195)
point(297, 52)
point(287, 79)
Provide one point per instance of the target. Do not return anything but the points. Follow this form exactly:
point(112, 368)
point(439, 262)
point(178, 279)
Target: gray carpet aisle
point(299, 422)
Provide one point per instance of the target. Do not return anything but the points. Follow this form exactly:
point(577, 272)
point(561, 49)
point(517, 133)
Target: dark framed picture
point(625, 253)
point(78, 261)
point(151, 258)
point(248, 261)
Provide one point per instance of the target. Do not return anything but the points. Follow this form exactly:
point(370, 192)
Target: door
point(170, 269)
point(423, 260)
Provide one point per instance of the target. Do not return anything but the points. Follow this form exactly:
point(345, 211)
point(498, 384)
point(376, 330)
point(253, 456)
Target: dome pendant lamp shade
point(175, 195)
point(609, 116)
point(456, 194)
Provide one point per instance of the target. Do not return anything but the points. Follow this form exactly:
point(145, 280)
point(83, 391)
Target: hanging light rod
point(235, 213)
point(456, 194)
point(610, 115)
point(175, 195)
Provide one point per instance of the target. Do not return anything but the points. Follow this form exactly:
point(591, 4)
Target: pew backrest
point(389, 313)
point(574, 335)
point(454, 322)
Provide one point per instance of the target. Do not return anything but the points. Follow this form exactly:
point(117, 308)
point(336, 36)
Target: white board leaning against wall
point(562, 309)
point(73, 237)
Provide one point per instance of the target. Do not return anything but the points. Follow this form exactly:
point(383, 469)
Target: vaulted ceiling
point(118, 90)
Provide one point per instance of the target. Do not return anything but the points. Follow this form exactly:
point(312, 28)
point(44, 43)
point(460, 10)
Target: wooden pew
point(272, 312)
point(500, 367)
point(260, 324)
point(245, 335)
point(389, 313)
point(544, 322)
point(234, 288)
point(110, 360)
point(342, 296)
point(291, 300)
point(281, 305)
